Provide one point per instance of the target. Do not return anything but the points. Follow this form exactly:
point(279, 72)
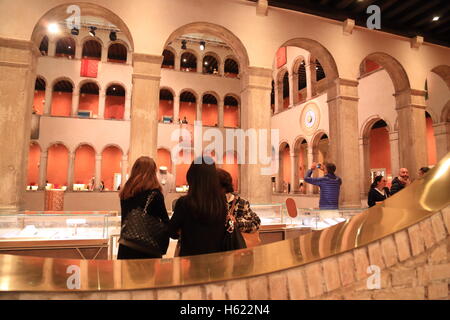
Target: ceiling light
point(113, 36)
point(184, 59)
point(114, 88)
point(206, 63)
point(75, 31)
point(92, 31)
point(183, 44)
point(436, 18)
point(53, 28)
point(69, 47)
point(202, 45)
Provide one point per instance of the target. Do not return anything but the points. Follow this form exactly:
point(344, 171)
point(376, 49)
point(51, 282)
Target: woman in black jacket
point(140, 185)
point(200, 215)
point(378, 191)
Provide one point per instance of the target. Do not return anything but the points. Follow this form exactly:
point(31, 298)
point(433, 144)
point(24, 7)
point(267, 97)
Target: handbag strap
point(149, 199)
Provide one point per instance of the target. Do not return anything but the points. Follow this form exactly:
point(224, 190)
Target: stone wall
point(414, 264)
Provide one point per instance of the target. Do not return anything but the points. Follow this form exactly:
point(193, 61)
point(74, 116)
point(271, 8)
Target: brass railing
point(417, 202)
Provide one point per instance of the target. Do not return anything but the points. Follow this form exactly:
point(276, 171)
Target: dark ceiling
point(403, 17)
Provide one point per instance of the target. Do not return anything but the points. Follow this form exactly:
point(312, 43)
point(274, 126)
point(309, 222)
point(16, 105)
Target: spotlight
point(75, 31)
point(183, 44)
point(202, 45)
point(53, 28)
point(113, 36)
point(436, 18)
point(92, 31)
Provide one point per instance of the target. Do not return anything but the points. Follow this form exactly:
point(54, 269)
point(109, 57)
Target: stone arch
point(51, 144)
point(172, 91)
point(235, 96)
point(369, 122)
point(218, 31)
point(112, 145)
point(90, 80)
point(63, 78)
point(119, 41)
point(234, 58)
point(190, 90)
point(116, 82)
point(43, 78)
point(84, 144)
point(215, 56)
point(444, 72)
point(445, 116)
point(88, 9)
point(213, 93)
point(36, 143)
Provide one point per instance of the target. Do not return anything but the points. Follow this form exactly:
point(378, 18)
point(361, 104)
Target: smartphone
point(318, 166)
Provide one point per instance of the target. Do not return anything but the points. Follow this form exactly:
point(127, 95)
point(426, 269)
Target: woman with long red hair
point(140, 185)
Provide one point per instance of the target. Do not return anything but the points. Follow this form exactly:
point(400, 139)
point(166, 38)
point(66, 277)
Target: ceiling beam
point(398, 10)
point(344, 4)
point(418, 11)
point(387, 4)
point(363, 5)
point(428, 17)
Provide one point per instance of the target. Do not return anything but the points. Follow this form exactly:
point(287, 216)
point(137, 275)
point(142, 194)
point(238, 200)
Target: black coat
point(396, 186)
point(374, 196)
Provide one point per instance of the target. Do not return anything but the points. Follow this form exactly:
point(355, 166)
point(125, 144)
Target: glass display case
point(78, 235)
point(270, 214)
point(320, 219)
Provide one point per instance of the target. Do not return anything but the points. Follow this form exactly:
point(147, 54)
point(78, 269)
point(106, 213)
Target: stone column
point(393, 142)
point(198, 110)
point(126, 115)
point(51, 46)
point(292, 90)
point(412, 130)
point(294, 173)
point(442, 136)
point(344, 144)
point(364, 153)
point(101, 104)
point(310, 80)
point(124, 170)
point(43, 169)
point(18, 69)
point(280, 178)
point(177, 66)
point(48, 99)
point(278, 96)
point(309, 187)
point(200, 64)
point(78, 52)
point(145, 103)
point(75, 103)
point(256, 187)
point(129, 57)
point(176, 108)
point(221, 68)
point(220, 111)
point(70, 171)
point(98, 171)
point(104, 57)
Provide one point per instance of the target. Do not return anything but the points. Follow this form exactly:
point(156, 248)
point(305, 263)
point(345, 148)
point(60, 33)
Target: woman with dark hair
point(140, 185)
point(246, 220)
point(378, 191)
point(200, 215)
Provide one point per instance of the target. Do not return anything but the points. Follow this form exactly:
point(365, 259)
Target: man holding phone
point(329, 184)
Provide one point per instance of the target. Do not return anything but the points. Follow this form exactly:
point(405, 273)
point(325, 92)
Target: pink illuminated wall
point(111, 164)
point(114, 107)
point(210, 115)
point(380, 150)
point(33, 165)
point(89, 102)
point(84, 166)
point(166, 109)
point(61, 104)
point(431, 143)
point(231, 116)
point(57, 165)
point(232, 169)
point(286, 103)
point(187, 109)
point(286, 165)
point(182, 169)
point(38, 101)
point(163, 159)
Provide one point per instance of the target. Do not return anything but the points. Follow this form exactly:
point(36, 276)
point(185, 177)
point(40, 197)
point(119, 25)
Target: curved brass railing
point(417, 202)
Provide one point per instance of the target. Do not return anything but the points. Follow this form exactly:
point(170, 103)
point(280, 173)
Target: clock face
point(310, 118)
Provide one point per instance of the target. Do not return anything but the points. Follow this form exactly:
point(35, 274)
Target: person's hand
point(313, 166)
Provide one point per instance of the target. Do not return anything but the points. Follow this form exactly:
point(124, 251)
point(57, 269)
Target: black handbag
point(145, 232)
point(233, 239)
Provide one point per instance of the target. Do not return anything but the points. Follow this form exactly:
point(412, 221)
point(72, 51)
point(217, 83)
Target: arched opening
point(65, 47)
point(188, 104)
point(272, 98)
point(165, 106)
point(111, 174)
point(163, 159)
point(89, 99)
point(320, 84)
point(39, 96)
point(231, 68)
point(285, 88)
point(367, 67)
point(34, 157)
point(168, 59)
point(431, 141)
point(115, 102)
point(117, 53)
point(230, 164)
point(84, 167)
point(210, 111)
point(92, 49)
point(301, 82)
point(320, 154)
point(43, 46)
point(62, 99)
point(231, 112)
point(284, 169)
point(188, 62)
point(210, 64)
point(185, 159)
point(301, 165)
point(380, 150)
point(57, 166)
